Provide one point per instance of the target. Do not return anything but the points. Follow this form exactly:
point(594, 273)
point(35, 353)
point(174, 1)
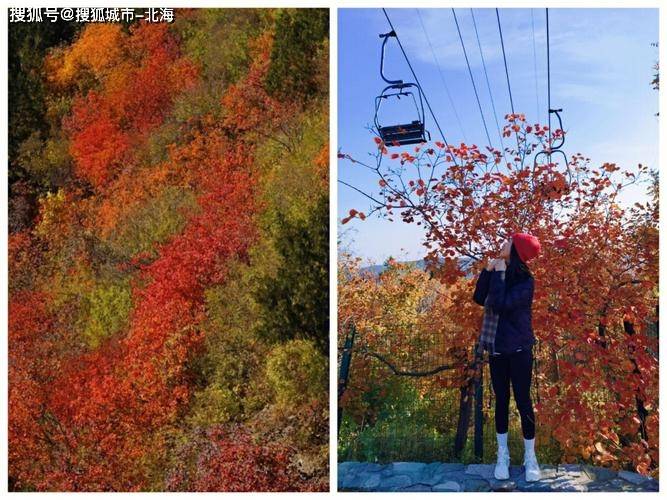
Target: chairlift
point(555, 148)
point(406, 133)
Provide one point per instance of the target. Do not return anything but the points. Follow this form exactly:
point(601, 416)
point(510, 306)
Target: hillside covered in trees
point(168, 253)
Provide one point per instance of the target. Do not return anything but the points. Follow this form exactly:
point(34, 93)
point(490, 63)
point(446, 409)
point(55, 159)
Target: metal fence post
point(479, 427)
point(344, 372)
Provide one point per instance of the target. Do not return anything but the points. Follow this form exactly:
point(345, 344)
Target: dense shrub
point(297, 373)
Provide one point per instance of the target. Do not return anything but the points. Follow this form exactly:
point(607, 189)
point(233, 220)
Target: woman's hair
point(517, 270)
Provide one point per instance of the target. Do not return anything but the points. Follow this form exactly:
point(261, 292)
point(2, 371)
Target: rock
point(618, 484)
point(374, 467)
point(502, 485)
point(547, 471)
point(441, 477)
point(572, 469)
point(476, 485)
point(432, 468)
point(440, 468)
point(453, 467)
point(599, 486)
point(570, 486)
point(347, 477)
point(354, 481)
point(395, 482)
point(387, 471)
point(447, 486)
point(372, 482)
point(598, 473)
point(482, 470)
point(429, 474)
point(651, 485)
point(632, 477)
point(430, 479)
point(523, 485)
point(566, 482)
point(416, 487)
point(458, 477)
point(344, 467)
point(438, 472)
point(406, 467)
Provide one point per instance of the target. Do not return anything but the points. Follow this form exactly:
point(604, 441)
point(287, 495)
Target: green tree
point(297, 373)
point(299, 38)
point(294, 303)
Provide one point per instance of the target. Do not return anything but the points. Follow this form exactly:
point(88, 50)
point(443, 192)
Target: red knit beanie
point(527, 246)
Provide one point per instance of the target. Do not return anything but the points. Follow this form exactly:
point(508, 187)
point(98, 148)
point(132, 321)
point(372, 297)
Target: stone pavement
point(437, 476)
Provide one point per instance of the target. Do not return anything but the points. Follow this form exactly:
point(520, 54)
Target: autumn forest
point(169, 253)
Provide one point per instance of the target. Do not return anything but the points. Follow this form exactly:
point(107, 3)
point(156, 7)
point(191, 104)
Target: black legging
point(517, 367)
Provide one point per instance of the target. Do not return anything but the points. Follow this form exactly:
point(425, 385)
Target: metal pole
point(479, 428)
point(344, 372)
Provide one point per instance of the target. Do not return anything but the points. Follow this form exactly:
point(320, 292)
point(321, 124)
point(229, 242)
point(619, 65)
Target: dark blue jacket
point(514, 308)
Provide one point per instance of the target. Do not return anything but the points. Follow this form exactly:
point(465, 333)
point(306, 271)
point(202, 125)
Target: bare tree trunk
point(642, 412)
point(602, 330)
point(465, 407)
point(479, 416)
point(657, 324)
point(465, 411)
point(556, 370)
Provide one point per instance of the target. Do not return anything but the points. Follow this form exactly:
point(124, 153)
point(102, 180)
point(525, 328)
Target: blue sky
point(601, 67)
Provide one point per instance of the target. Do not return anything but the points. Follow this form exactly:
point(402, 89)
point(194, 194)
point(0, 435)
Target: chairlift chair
point(407, 133)
point(555, 148)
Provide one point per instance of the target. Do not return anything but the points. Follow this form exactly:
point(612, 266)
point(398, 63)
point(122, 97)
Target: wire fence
point(408, 407)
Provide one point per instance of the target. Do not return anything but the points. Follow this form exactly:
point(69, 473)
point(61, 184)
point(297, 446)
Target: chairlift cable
point(552, 110)
point(537, 94)
point(552, 148)
point(428, 104)
point(507, 74)
point(442, 77)
point(548, 77)
point(488, 84)
point(472, 79)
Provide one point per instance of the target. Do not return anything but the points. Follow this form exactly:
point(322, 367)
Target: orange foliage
point(100, 48)
point(322, 165)
point(106, 125)
point(248, 106)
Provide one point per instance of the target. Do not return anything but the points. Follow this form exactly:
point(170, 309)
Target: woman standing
point(505, 289)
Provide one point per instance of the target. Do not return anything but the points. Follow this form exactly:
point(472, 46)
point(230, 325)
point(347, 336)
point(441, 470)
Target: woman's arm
point(502, 299)
point(482, 287)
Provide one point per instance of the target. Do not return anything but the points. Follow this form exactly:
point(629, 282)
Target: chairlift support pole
point(385, 37)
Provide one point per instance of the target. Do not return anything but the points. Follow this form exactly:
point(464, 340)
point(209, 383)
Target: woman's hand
point(490, 264)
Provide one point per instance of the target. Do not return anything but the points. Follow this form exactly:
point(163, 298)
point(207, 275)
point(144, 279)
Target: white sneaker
point(533, 472)
point(502, 470)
